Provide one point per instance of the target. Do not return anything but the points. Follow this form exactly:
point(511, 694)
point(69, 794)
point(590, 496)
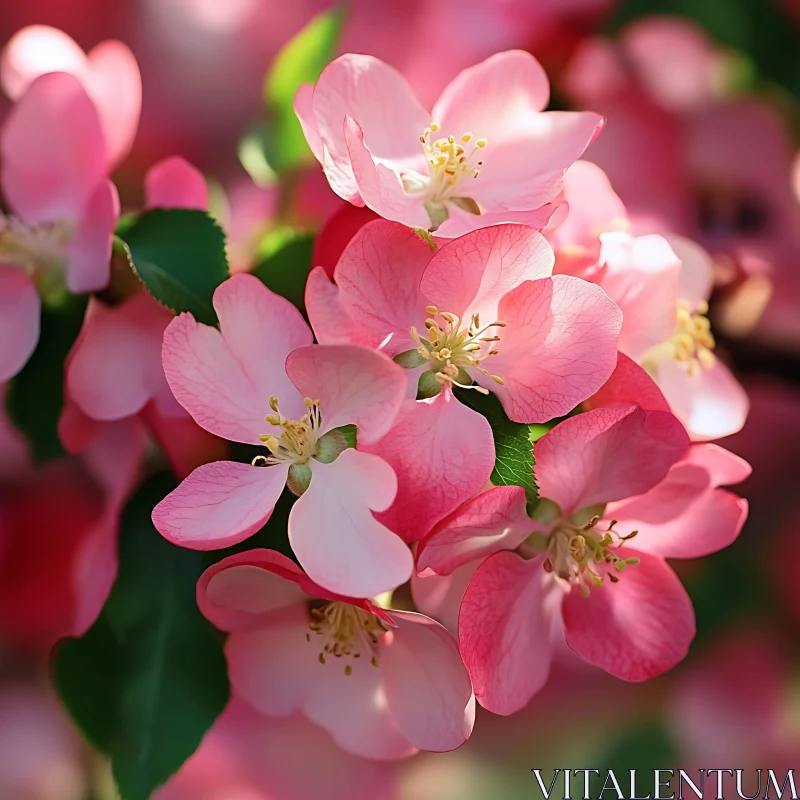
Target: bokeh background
point(703, 135)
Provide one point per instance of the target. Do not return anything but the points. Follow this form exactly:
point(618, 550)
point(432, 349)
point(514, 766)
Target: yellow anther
point(434, 126)
point(481, 143)
point(465, 137)
point(432, 310)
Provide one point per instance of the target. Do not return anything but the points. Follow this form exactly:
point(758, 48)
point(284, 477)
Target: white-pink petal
point(20, 310)
point(175, 183)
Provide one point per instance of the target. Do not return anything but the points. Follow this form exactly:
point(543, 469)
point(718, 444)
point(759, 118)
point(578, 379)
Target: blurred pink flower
point(40, 754)
point(261, 360)
point(384, 683)
point(490, 155)
point(557, 334)
point(622, 607)
point(248, 756)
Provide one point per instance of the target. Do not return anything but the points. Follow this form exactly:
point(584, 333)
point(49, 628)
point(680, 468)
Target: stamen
point(346, 630)
point(298, 440)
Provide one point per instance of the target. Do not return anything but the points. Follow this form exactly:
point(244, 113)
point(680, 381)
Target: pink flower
point(113, 371)
point(600, 474)
point(109, 74)
point(484, 307)
point(258, 380)
point(486, 154)
point(248, 756)
point(384, 683)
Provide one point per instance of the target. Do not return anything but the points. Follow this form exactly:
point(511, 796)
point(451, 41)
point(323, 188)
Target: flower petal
point(53, 150)
point(629, 384)
point(505, 626)
point(337, 233)
point(711, 404)
point(115, 87)
point(219, 504)
point(427, 688)
point(175, 183)
point(607, 454)
point(88, 253)
point(242, 591)
point(442, 453)
point(126, 341)
point(472, 274)
point(20, 311)
point(439, 596)
point(558, 347)
point(637, 628)
point(354, 385)
point(336, 539)
point(687, 515)
point(495, 520)
point(377, 288)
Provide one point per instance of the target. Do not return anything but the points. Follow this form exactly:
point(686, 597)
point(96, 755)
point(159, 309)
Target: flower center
point(449, 163)
point(34, 248)
point(344, 631)
point(452, 349)
point(693, 342)
point(583, 557)
point(297, 442)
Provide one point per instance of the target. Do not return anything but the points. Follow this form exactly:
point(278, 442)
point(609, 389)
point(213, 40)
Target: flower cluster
point(494, 289)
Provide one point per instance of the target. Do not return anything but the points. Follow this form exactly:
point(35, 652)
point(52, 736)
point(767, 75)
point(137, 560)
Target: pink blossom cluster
point(490, 261)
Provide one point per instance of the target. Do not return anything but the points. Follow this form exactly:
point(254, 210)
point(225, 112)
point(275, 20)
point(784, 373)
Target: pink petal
point(381, 187)
point(126, 342)
point(498, 97)
point(304, 110)
point(354, 709)
point(337, 233)
point(272, 667)
point(442, 453)
point(505, 628)
point(558, 347)
point(36, 50)
point(377, 289)
point(711, 404)
point(89, 252)
point(19, 321)
point(641, 276)
point(219, 504)
point(379, 99)
point(472, 274)
point(354, 385)
point(336, 539)
point(427, 688)
point(224, 380)
point(697, 270)
point(629, 384)
point(175, 183)
point(115, 86)
point(636, 629)
point(439, 596)
point(242, 591)
point(459, 222)
point(552, 142)
point(53, 151)
point(495, 520)
point(607, 454)
point(687, 515)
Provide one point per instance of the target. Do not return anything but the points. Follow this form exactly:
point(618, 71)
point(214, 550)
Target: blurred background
point(703, 136)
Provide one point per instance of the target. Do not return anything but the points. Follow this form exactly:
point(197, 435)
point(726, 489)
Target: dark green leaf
point(513, 449)
point(179, 254)
point(300, 61)
point(36, 396)
point(285, 263)
point(148, 679)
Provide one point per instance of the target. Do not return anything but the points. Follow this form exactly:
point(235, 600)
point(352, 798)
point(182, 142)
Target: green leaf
point(286, 260)
point(513, 449)
point(148, 679)
point(300, 61)
point(36, 396)
point(350, 433)
point(179, 255)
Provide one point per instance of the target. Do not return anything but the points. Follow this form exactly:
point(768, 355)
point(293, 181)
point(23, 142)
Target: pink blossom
point(113, 371)
point(249, 756)
point(485, 154)
point(601, 475)
point(55, 179)
point(484, 307)
point(258, 380)
point(383, 683)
